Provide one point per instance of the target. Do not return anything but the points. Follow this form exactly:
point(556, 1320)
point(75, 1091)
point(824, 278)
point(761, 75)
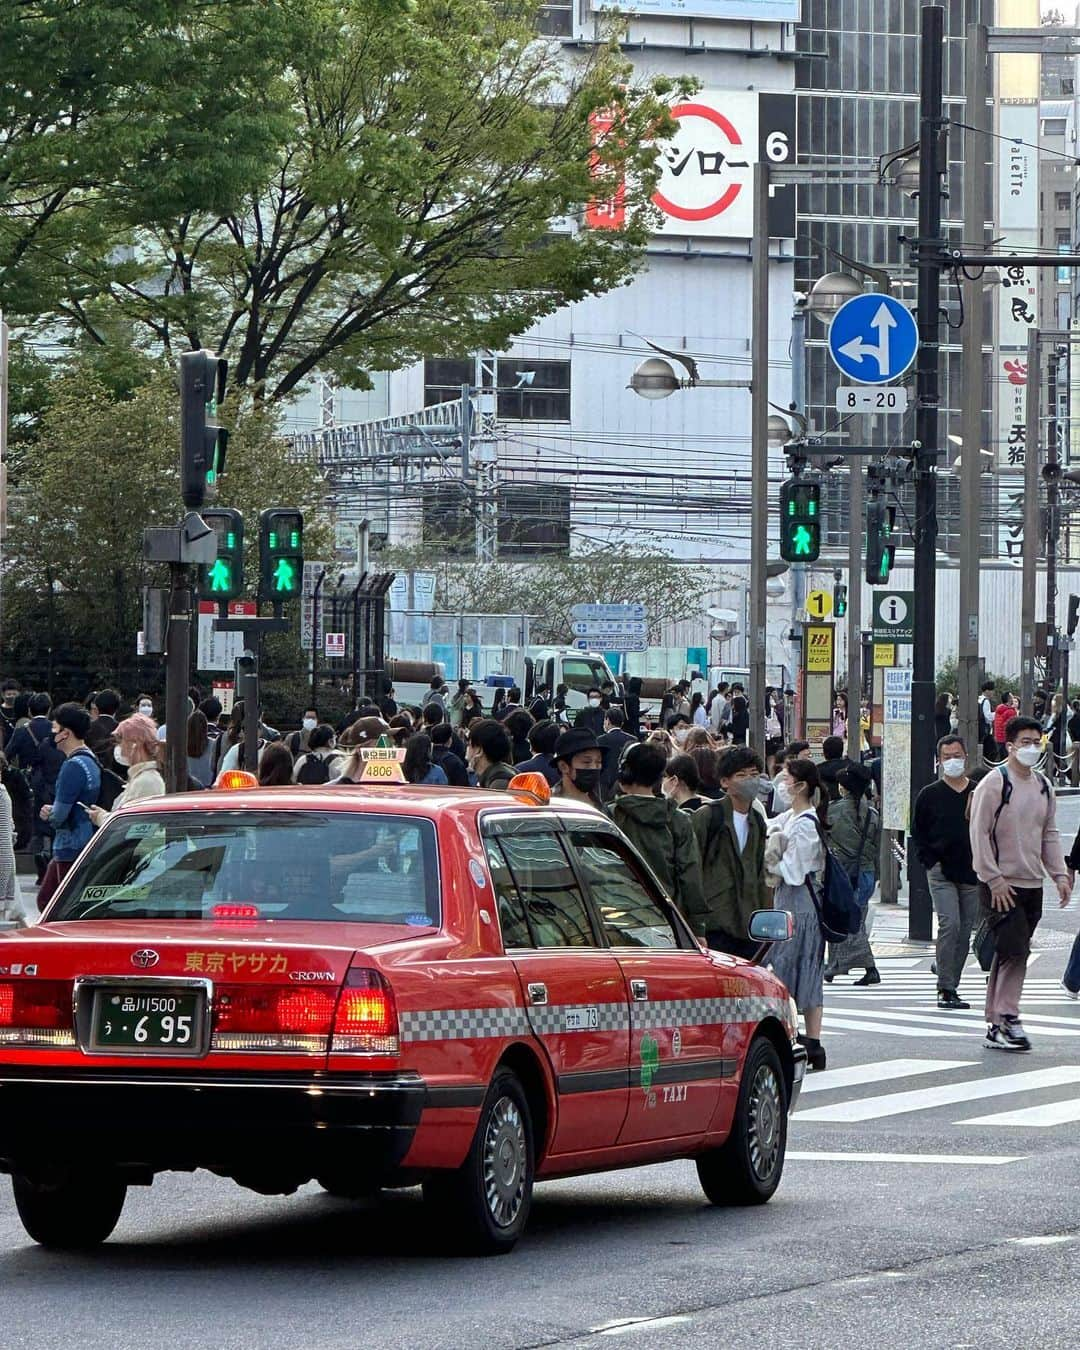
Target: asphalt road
point(906, 1218)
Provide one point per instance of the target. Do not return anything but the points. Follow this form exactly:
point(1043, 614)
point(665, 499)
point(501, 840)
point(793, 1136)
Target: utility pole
point(759, 453)
point(854, 611)
point(976, 139)
point(932, 161)
point(177, 670)
point(484, 458)
point(1033, 397)
point(1052, 473)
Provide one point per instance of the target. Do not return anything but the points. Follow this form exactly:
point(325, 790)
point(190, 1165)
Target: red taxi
point(372, 987)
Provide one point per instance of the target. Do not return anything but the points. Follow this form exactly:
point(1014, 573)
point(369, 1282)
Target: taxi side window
point(632, 916)
point(554, 905)
point(512, 920)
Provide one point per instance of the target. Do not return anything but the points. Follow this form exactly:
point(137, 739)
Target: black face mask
point(586, 779)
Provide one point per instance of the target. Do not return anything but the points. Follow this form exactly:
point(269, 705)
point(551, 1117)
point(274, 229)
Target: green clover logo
point(650, 1060)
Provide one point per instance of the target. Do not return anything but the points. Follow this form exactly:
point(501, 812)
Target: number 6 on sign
point(819, 604)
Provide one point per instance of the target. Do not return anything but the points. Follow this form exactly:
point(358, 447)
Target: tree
point(104, 468)
point(116, 115)
point(548, 588)
point(425, 203)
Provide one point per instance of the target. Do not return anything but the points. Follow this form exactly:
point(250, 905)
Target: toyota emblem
point(144, 958)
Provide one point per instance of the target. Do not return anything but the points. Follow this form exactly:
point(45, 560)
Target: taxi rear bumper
point(235, 1123)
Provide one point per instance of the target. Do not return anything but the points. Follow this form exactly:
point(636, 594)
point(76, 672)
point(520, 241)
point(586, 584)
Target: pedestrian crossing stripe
point(832, 1020)
point(1040, 1117)
point(920, 1022)
point(930, 1159)
point(886, 1070)
point(948, 1094)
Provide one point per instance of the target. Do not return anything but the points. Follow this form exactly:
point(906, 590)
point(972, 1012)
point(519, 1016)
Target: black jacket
point(540, 764)
point(457, 775)
point(613, 743)
point(591, 719)
point(941, 833)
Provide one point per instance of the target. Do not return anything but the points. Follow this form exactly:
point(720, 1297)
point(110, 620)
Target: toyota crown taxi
point(374, 987)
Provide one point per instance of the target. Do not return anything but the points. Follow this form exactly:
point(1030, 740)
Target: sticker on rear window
point(140, 829)
point(420, 920)
point(99, 892)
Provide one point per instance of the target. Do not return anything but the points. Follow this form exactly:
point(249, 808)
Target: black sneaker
point(949, 998)
point(1007, 1036)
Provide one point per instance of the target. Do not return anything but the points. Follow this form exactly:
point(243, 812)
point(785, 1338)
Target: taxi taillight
point(272, 1017)
point(366, 1021)
point(36, 1013)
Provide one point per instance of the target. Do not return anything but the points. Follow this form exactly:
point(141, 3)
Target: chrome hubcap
point(504, 1162)
point(766, 1108)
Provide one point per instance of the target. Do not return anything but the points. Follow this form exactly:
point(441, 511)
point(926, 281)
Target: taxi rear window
point(287, 865)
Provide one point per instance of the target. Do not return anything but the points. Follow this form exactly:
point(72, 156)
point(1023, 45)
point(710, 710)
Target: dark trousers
point(54, 875)
point(1071, 978)
point(720, 941)
point(1011, 933)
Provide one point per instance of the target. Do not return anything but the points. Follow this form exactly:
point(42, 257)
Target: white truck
point(505, 667)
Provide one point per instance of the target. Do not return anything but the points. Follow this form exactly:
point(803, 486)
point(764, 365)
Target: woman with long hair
point(942, 719)
point(418, 767)
point(708, 766)
point(276, 765)
point(794, 862)
point(200, 750)
point(472, 709)
point(854, 839)
point(139, 751)
point(698, 714)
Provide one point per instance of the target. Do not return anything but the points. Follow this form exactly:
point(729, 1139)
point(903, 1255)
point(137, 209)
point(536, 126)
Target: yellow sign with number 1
point(819, 604)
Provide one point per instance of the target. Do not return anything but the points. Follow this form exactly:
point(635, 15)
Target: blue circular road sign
point(873, 339)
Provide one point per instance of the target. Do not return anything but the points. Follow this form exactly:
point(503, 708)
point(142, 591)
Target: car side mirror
point(770, 925)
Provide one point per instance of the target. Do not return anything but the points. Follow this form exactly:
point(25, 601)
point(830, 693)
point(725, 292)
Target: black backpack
point(313, 771)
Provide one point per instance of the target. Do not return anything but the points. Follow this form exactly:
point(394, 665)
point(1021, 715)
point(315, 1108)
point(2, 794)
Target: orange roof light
point(235, 780)
point(533, 785)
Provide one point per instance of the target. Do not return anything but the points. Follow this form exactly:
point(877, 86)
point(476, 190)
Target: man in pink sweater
point(1014, 840)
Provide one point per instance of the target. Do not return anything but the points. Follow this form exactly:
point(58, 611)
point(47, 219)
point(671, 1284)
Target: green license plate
point(153, 1021)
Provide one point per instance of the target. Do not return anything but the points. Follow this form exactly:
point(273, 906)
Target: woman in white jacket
point(138, 750)
point(794, 856)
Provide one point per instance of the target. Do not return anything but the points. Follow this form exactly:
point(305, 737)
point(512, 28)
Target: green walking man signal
point(800, 520)
point(223, 579)
point(281, 553)
point(880, 548)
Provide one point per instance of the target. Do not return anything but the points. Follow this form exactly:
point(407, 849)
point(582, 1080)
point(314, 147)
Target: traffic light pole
point(927, 381)
point(854, 612)
point(177, 663)
point(759, 455)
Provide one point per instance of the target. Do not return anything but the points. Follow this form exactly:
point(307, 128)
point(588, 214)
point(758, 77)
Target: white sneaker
point(1072, 993)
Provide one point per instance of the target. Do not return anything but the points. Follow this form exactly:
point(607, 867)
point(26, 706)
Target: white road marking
point(1042, 1240)
point(898, 962)
point(909, 1029)
point(879, 1072)
point(631, 1324)
point(1039, 1117)
point(939, 1159)
point(1065, 1026)
point(925, 1099)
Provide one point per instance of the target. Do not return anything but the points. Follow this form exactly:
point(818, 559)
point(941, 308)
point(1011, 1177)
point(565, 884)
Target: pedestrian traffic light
point(880, 549)
point(281, 553)
point(800, 520)
point(202, 439)
point(839, 600)
point(223, 579)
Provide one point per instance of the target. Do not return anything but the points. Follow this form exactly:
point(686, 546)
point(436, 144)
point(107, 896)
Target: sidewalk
point(889, 931)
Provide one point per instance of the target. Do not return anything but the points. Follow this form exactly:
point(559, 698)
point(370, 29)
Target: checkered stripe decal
point(551, 1021)
point(705, 1011)
point(459, 1024)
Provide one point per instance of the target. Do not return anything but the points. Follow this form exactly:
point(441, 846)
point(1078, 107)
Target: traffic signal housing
point(223, 579)
point(202, 439)
point(880, 548)
point(800, 520)
point(839, 600)
point(281, 554)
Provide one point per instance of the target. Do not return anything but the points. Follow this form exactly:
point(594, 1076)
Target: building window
point(534, 518)
point(555, 20)
point(534, 391)
point(1062, 201)
point(443, 379)
point(1053, 126)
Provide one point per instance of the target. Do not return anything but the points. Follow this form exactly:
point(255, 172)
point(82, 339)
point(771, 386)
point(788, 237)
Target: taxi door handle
point(639, 991)
point(538, 994)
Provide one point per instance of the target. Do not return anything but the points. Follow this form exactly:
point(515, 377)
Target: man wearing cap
point(579, 760)
point(77, 786)
point(364, 733)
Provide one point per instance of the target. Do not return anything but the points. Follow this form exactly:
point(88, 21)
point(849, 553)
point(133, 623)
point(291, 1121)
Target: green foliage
point(115, 116)
point(104, 468)
point(424, 202)
point(547, 588)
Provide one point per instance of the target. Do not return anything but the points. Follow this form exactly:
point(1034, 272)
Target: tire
point(489, 1196)
point(77, 1212)
point(747, 1168)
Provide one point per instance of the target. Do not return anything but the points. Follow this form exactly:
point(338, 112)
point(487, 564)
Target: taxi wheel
point(746, 1170)
point(489, 1195)
point(79, 1211)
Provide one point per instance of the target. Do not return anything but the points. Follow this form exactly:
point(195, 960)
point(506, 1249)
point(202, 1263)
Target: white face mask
point(953, 768)
point(781, 795)
point(309, 724)
point(594, 703)
point(120, 757)
point(147, 709)
point(681, 735)
point(1028, 755)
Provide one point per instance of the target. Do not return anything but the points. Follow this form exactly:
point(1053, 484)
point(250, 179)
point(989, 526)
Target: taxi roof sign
point(382, 763)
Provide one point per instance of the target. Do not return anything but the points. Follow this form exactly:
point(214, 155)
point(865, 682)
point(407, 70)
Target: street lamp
point(901, 170)
point(655, 378)
point(830, 292)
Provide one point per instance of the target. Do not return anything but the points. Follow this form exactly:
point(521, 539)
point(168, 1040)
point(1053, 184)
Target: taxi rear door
point(573, 988)
point(677, 1067)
